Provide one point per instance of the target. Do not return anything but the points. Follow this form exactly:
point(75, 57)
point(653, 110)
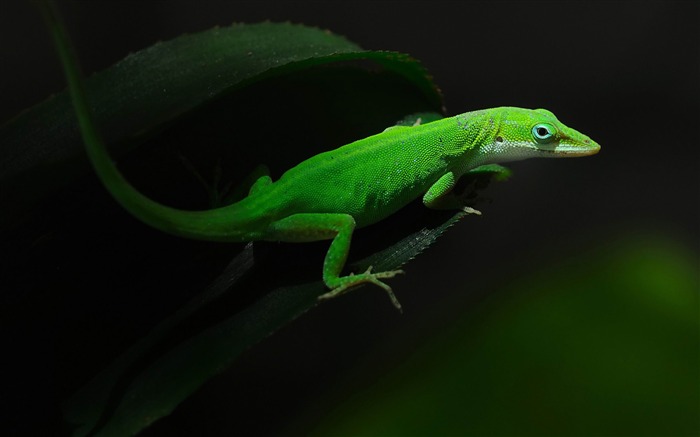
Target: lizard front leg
point(338, 227)
point(440, 196)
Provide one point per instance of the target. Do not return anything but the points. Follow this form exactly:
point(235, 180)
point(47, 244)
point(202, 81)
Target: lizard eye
point(543, 132)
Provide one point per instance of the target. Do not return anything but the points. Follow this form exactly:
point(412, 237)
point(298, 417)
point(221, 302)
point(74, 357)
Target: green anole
point(331, 194)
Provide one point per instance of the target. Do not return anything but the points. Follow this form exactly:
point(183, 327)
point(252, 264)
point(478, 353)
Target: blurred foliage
point(603, 344)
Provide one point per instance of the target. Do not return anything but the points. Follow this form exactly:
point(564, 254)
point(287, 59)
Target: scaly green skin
point(327, 196)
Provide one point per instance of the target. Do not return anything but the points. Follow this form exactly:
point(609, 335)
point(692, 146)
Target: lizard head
point(531, 133)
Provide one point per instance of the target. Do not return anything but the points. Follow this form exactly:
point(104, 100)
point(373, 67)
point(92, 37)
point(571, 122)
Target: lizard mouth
point(575, 150)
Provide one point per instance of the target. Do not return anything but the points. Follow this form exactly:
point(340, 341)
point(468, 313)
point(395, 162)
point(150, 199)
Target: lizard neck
point(480, 134)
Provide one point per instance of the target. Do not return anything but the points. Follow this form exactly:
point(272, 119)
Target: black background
point(625, 73)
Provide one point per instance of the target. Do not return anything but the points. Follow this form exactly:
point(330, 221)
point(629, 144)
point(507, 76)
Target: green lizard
point(329, 195)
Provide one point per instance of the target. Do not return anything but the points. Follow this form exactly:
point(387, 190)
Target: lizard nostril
point(499, 139)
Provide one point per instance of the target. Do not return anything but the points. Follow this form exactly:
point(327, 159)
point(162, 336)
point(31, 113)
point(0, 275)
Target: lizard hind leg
point(254, 182)
point(338, 228)
point(347, 282)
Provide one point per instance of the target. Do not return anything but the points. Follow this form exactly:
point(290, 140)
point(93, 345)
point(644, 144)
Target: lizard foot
point(352, 280)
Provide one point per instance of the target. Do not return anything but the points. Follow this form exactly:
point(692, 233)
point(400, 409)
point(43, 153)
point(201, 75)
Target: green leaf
point(147, 91)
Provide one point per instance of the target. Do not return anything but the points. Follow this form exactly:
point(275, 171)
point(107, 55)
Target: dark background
point(625, 73)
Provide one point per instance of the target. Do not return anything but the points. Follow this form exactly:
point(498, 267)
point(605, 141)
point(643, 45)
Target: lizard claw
point(470, 210)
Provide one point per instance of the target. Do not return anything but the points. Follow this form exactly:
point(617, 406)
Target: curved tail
point(216, 224)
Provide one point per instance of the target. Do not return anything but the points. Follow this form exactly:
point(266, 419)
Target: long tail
point(216, 224)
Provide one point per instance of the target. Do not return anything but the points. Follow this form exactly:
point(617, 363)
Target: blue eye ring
point(543, 132)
